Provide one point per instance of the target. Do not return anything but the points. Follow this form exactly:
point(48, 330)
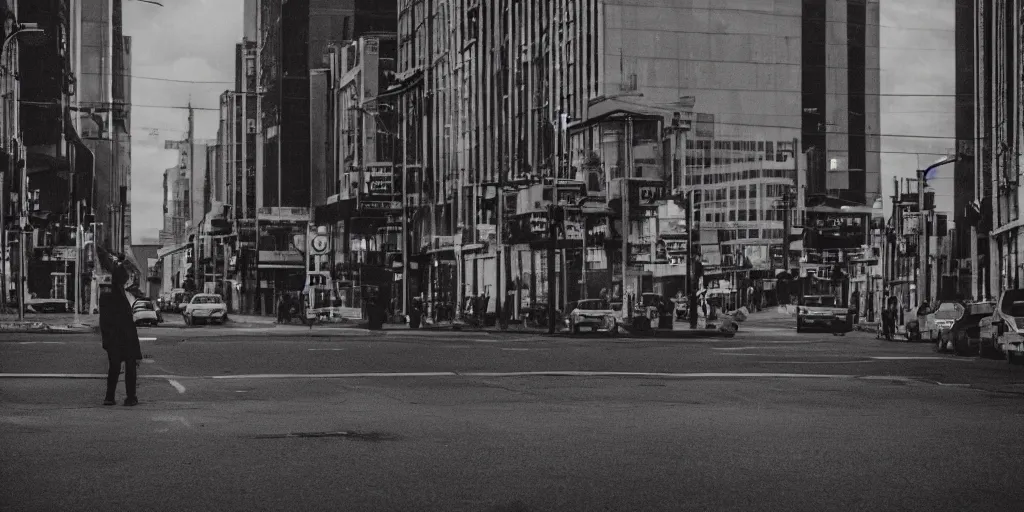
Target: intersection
point(404, 420)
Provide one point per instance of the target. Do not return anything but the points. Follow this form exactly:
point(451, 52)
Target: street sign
point(381, 205)
point(64, 253)
point(648, 194)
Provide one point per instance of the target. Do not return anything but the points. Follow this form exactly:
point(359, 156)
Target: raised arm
point(106, 260)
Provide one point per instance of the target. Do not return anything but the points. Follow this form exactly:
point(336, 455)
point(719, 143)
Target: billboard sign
point(380, 179)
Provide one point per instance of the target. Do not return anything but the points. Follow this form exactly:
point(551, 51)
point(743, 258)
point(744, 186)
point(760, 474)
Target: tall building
point(103, 106)
point(293, 38)
point(517, 97)
point(990, 130)
point(840, 86)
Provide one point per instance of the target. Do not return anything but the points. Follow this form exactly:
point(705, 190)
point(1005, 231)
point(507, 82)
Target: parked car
point(822, 312)
point(205, 308)
point(597, 314)
point(1004, 330)
point(145, 313)
point(964, 336)
point(929, 323)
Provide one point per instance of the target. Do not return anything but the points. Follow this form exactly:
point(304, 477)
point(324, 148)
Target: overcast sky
point(194, 40)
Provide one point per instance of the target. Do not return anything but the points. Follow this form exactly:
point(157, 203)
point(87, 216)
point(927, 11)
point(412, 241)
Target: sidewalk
point(43, 323)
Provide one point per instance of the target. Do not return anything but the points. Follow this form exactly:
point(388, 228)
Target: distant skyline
point(194, 40)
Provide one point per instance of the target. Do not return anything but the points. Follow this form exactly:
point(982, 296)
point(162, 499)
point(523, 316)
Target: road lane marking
point(325, 349)
point(752, 348)
point(919, 358)
point(41, 343)
point(173, 419)
point(332, 375)
point(595, 374)
point(177, 385)
point(147, 339)
point(77, 376)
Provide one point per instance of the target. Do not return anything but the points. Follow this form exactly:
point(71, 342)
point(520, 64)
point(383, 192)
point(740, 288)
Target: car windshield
point(143, 305)
point(820, 301)
point(206, 299)
point(948, 311)
point(593, 304)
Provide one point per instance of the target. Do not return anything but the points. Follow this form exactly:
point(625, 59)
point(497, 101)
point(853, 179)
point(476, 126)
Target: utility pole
point(553, 210)
point(787, 227)
point(627, 306)
point(20, 168)
point(191, 190)
point(405, 199)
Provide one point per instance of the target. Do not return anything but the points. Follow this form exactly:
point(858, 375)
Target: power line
point(174, 107)
point(158, 79)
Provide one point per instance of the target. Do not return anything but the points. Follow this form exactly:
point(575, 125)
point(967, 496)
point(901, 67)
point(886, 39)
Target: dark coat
point(117, 323)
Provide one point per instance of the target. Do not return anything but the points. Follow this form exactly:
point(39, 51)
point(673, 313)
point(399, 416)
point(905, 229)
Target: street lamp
point(924, 237)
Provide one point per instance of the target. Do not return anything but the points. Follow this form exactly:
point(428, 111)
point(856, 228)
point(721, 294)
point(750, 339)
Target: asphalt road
point(281, 419)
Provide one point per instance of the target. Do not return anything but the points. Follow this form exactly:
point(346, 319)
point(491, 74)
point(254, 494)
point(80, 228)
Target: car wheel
point(188, 320)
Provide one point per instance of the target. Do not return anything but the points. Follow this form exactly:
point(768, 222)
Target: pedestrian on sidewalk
point(117, 327)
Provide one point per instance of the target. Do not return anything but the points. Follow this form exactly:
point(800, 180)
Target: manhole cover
point(361, 436)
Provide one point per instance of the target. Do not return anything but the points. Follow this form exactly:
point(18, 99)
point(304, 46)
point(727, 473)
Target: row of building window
point(715, 178)
point(750, 215)
point(730, 235)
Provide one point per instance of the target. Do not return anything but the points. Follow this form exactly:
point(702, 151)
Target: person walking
point(117, 327)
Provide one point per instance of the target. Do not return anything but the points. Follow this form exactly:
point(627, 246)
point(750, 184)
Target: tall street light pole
point(923, 231)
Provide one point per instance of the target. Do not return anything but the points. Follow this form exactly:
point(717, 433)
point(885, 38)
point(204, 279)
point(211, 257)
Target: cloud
point(184, 40)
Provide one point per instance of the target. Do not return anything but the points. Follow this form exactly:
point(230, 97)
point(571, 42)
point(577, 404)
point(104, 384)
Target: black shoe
point(128, 402)
point(109, 401)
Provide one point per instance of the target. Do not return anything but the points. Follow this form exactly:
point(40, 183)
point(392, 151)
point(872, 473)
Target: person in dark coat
point(117, 327)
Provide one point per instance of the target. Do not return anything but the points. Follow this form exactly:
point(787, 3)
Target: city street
point(244, 419)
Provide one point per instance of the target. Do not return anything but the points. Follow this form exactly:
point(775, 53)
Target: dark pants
point(130, 376)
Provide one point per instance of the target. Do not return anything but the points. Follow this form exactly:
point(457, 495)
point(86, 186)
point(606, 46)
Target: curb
point(47, 329)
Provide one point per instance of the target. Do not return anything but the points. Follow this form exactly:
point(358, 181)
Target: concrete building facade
point(520, 96)
point(995, 145)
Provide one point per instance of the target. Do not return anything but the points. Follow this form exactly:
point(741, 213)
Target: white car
point(205, 308)
point(597, 314)
point(145, 313)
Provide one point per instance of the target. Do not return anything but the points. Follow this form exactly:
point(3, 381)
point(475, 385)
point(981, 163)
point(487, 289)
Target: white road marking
point(921, 358)
point(177, 385)
point(326, 349)
point(173, 419)
point(76, 376)
point(332, 375)
point(147, 339)
point(663, 375)
point(40, 343)
point(751, 348)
